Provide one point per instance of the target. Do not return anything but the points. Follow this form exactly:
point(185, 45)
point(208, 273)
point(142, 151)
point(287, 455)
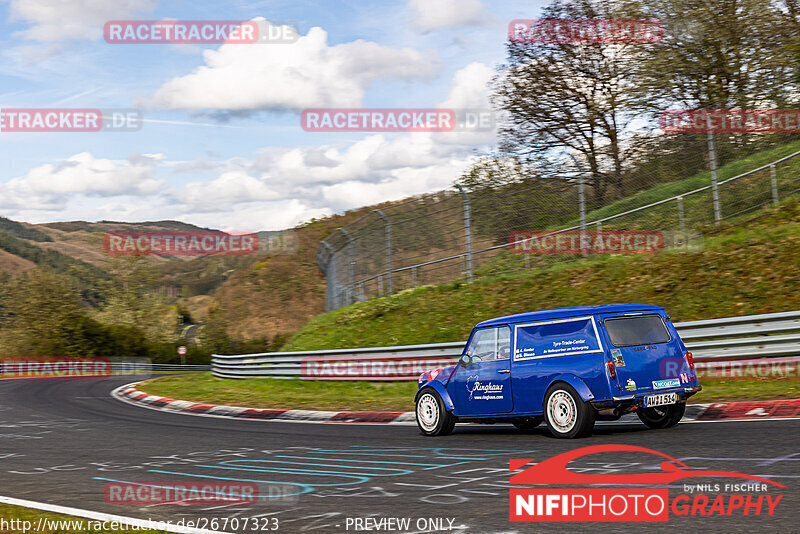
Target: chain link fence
point(464, 233)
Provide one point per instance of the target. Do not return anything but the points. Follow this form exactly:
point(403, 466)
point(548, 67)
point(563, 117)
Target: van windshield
point(639, 330)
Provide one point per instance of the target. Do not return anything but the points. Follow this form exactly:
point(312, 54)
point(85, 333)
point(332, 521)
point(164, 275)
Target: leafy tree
point(43, 315)
point(721, 54)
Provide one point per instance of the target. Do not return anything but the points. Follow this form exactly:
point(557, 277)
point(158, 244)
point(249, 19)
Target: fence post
point(389, 271)
point(600, 233)
point(712, 156)
point(681, 217)
point(467, 228)
point(582, 209)
point(330, 276)
point(774, 180)
point(414, 275)
point(352, 254)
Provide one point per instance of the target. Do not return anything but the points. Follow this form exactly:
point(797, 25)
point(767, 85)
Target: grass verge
point(16, 516)
point(390, 396)
point(286, 394)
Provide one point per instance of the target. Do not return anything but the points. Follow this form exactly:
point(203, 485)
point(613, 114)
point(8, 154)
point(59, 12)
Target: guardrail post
point(467, 228)
point(389, 272)
point(681, 218)
point(773, 178)
point(712, 157)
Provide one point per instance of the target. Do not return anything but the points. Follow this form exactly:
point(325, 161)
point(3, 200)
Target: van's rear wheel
point(662, 416)
point(432, 417)
point(567, 415)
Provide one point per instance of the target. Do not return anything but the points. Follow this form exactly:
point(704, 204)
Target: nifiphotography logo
point(645, 504)
point(487, 391)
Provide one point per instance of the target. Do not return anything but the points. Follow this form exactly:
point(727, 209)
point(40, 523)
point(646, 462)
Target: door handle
point(504, 371)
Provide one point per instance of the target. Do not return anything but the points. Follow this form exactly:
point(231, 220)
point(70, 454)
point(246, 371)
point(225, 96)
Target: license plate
point(660, 400)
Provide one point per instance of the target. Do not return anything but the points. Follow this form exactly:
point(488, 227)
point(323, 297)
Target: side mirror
point(464, 360)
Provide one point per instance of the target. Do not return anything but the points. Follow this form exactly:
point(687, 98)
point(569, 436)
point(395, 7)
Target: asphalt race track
point(62, 441)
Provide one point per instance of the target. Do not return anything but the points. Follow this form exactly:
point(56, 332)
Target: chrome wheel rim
point(562, 411)
point(428, 412)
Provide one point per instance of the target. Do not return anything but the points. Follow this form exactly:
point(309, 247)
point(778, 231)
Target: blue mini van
point(568, 366)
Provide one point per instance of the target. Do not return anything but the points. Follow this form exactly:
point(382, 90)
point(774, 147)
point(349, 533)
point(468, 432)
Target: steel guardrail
point(771, 335)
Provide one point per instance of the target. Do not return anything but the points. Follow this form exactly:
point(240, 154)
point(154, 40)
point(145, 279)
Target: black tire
point(529, 423)
point(432, 417)
point(662, 416)
point(566, 414)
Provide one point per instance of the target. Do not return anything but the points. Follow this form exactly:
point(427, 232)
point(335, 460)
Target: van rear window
point(639, 330)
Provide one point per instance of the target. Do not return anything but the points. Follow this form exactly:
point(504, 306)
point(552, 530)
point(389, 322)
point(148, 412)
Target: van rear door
point(644, 350)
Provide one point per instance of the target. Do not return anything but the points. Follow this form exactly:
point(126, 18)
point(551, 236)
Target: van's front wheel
point(432, 417)
point(567, 415)
point(662, 416)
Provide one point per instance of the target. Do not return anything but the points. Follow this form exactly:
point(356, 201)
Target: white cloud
point(276, 188)
point(469, 88)
point(48, 186)
point(229, 189)
point(58, 20)
point(437, 14)
point(306, 73)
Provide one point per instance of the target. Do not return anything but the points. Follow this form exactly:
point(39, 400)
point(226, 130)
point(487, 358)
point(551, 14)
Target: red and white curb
point(131, 395)
point(720, 411)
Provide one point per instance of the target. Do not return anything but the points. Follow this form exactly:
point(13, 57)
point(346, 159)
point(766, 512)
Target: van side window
point(503, 343)
point(491, 344)
point(483, 345)
point(637, 330)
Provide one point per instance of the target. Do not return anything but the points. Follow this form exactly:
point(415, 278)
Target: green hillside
point(746, 266)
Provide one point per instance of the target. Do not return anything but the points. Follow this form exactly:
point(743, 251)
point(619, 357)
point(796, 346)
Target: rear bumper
point(627, 403)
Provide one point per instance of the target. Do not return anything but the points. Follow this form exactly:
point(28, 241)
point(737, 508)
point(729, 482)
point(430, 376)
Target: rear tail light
point(611, 369)
point(690, 359)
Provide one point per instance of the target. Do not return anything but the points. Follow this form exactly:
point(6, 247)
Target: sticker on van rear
point(619, 361)
point(671, 383)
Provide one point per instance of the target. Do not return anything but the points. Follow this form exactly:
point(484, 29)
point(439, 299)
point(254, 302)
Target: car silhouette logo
point(554, 470)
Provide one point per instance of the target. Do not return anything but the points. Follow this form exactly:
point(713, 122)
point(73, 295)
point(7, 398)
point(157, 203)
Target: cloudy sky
point(221, 144)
